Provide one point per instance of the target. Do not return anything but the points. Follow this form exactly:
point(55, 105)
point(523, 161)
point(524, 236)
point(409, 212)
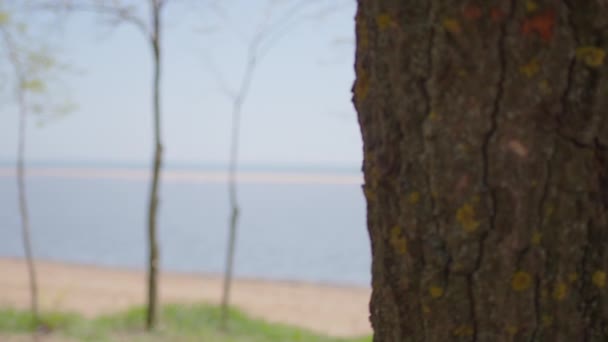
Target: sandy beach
point(91, 290)
point(187, 176)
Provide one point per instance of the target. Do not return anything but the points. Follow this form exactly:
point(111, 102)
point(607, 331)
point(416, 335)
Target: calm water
point(310, 232)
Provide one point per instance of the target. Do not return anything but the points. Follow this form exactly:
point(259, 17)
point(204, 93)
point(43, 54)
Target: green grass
point(178, 323)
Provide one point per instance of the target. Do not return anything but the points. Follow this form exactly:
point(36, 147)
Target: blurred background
point(88, 157)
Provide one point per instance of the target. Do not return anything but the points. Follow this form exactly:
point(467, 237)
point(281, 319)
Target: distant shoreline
point(189, 175)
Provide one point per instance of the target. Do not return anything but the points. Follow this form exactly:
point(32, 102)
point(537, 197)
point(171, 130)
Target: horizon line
point(212, 165)
point(190, 176)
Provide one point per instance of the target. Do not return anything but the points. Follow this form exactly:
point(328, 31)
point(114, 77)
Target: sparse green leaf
point(39, 59)
point(4, 17)
point(21, 27)
point(34, 85)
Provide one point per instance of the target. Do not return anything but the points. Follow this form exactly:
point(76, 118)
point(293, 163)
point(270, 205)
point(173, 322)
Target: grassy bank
point(178, 323)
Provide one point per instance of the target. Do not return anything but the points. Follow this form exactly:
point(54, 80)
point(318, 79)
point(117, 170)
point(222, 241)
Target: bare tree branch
point(219, 77)
point(119, 14)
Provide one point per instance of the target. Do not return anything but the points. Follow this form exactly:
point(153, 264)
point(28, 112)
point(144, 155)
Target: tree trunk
point(23, 207)
point(20, 93)
point(486, 168)
point(237, 106)
point(153, 252)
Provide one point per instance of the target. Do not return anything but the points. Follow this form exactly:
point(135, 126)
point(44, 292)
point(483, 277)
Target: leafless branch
point(219, 77)
point(118, 14)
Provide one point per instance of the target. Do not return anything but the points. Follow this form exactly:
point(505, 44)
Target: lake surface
point(297, 230)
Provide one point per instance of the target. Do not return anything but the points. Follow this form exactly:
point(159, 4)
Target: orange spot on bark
point(436, 291)
point(452, 26)
point(472, 12)
point(542, 24)
point(497, 14)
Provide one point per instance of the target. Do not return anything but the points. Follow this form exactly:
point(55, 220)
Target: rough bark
point(153, 250)
point(485, 161)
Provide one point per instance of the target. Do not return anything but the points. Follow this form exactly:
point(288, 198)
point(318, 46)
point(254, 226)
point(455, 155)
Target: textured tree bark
point(486, 168)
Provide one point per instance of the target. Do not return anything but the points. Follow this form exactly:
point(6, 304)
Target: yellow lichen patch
point(436, 291)
point(599, 279)
point(549, 209)
point(369, 194)
point(531, 68)
point(457, 266)
point(362, 32)
point(426, 310)
point(398, 242)
point(413, 197)
point(463, 331)
point(4, 17)
point(384, 21)
point(521, 281)
point(536, 238)
point(591, 55)
point(452, 26)
point(466, 217)
point(572, 277)
point(511, 330)
point(434, 116)
point(461, 148)
point(362, 85)
point(544, 87)
point(531, 6)
point(559, 291)
point(547, 320)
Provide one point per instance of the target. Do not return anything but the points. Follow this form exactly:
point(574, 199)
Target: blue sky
point(298, 111)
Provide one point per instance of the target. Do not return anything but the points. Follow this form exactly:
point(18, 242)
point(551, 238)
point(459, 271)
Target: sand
point(186, 176)
point(91, 290)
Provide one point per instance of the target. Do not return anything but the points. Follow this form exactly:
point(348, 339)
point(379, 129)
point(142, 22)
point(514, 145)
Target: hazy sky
point(298, 111)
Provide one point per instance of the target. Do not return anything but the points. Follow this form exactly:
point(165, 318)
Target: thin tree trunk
point(153, 253)
point(232, 184)
point(254, 55)
point(234, 213)
point(23, 209)
point(485, 137)
point(21, 181)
